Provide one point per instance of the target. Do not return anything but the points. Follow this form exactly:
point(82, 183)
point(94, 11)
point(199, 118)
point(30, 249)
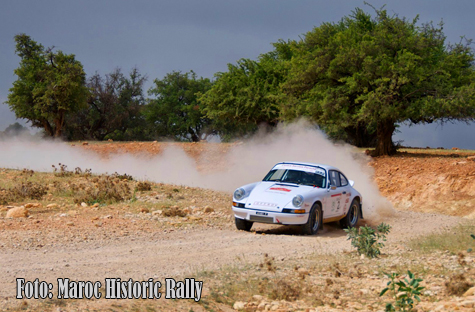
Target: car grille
point(261, 219)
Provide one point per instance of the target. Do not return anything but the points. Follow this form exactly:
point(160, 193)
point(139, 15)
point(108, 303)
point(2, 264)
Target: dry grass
point(174, 212)
point(143, 186)
point(102, 189)
point(77, 186)
point(23, 190)
point(453, 240)
point(280, 288)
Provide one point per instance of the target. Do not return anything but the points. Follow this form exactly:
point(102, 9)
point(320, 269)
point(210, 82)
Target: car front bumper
point(263, 216)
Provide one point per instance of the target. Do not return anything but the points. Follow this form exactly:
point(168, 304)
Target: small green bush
point(403, 291)
point(367, 240)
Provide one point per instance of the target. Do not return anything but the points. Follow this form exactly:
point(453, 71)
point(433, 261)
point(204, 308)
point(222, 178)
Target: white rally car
point(298, 193)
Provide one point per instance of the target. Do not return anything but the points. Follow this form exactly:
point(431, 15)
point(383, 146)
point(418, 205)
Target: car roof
point(309, 164)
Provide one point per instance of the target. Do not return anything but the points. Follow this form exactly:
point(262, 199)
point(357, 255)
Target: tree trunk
point(384, 132)
point(194, 135)
point(359, 136)
point(47, 127)
point(58, 132)
point(59, 123)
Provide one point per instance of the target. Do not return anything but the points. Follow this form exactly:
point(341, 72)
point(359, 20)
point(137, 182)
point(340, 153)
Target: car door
point(345, 194)
point(335, 195)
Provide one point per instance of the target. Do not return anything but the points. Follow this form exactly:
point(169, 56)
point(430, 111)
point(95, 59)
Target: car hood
point(274, 196)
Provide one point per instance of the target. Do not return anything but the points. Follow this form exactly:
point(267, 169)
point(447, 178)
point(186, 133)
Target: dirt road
point(180, 253)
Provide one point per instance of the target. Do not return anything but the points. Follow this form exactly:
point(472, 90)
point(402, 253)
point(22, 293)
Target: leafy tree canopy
point(175, 111)
point(50, 86)
point(370, 73)
point(114, 108)
point(248, 93)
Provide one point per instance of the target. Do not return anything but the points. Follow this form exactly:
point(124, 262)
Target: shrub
point(123, 177)
point(403, 291)
point(174, 212)
point(27, 172)
point(86, 173)
point(23, 190)
point(3, 197)
point(143, 186)
point(367, 240)
point(62, 171)
point(457, 285)
point(30, 190)
point(104, 189)
point(289, 289)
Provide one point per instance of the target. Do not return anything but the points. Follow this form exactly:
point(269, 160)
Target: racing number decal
point(337, 200)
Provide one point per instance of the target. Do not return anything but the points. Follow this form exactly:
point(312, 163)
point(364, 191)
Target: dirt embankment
point(442, 183)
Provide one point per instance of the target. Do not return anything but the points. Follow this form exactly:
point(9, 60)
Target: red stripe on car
point(335, 195)
point(280, 189)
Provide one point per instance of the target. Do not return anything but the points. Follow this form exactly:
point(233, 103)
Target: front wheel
point(242, 224)
point(352, 216)
point(315, 220)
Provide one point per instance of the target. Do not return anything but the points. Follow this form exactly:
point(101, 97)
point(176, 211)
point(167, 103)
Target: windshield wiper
point(287, 183)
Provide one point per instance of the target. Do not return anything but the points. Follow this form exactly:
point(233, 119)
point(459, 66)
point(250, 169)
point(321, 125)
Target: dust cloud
point(245, 163)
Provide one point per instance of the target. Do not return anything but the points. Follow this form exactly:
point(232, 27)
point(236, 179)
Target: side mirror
point(351, 182)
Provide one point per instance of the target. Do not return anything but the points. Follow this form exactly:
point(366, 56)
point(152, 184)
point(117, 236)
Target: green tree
point(175, 111)
point(364, 75)
point(114, 108)
point(50, 86)
point(14, 130)
point(247, 95)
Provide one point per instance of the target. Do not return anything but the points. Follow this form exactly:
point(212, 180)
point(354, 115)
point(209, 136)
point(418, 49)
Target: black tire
point(352, 216)
point(315, 220)
point(242, 224)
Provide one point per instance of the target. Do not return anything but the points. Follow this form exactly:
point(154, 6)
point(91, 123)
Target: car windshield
point(295, 176)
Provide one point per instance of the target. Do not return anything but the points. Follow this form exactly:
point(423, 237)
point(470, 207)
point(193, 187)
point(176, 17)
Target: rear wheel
point(242, 224)
point(315, 220)
point(352, 216)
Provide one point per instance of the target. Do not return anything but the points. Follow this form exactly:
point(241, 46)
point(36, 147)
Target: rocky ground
point(182, 232)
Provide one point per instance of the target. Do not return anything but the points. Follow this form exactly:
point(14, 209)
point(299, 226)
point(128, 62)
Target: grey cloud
point(161, 36)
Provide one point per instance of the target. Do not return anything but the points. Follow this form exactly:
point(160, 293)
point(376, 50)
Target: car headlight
point(297, 201)
point(239, 193)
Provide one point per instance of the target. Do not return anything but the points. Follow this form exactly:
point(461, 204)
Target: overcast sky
point(161, 36)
